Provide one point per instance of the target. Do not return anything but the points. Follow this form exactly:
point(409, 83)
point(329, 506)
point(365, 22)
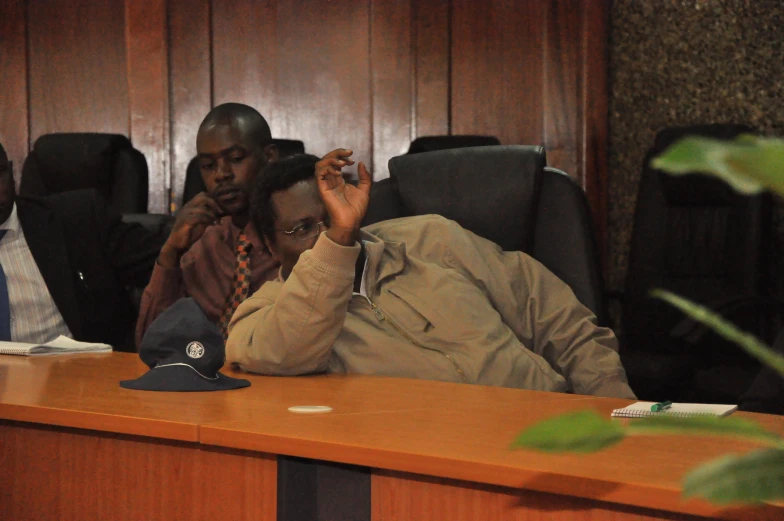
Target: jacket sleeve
point(288, 328)
point(541, 309)
point(165, 288)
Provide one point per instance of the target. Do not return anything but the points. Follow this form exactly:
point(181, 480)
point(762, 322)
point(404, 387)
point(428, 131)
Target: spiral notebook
point(683, 410)
point(59, 346)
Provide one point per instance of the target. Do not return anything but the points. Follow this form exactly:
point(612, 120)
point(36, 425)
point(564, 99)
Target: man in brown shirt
point(213, 253)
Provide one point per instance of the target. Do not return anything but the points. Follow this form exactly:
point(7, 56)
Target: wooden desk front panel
point(398, 496)
point(75, 475)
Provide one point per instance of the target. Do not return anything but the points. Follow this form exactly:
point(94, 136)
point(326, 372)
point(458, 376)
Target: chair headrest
point(492, 191)
point(433, 143)
point(668, 136)
point(69, 161)
point(696, 190)
point(288, 147)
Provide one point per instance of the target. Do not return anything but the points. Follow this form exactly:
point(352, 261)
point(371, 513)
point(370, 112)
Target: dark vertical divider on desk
point(310, 490)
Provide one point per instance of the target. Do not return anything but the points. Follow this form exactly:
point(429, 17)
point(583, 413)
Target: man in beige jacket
point(416, 297)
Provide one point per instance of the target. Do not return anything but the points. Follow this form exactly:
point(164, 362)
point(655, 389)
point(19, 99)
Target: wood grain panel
point(392, 82)
point(14, 133)
point(146, 38)
point(593, 100)
point(244, 48)
point(497, 69)
point(324, 76)
point(562, 67)
point(431, 22)
point(402, 497)
point(189, 80)
point(81, 475)
point(452, 440)
point(78, 75)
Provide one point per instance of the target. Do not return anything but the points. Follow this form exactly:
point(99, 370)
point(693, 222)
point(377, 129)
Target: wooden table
point(75, 445)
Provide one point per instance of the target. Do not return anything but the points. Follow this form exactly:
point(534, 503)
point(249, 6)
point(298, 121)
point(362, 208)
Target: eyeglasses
point(306, 231)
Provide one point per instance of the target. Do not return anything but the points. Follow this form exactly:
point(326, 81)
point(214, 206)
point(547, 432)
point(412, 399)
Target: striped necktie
point(5, 304)
point(240, 284)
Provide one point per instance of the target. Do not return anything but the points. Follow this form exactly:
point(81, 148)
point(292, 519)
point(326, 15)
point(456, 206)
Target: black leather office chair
point(194, 183)
point(507, 195)
point(697, 237)
point(73, 161)
point(433, 143)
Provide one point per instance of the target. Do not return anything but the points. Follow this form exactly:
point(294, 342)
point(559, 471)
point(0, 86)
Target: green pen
point(661, 406)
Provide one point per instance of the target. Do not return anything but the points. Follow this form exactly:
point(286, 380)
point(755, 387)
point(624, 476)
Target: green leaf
point(726, 329)
point(703, 425)
point(581, 431)
point(748, 163)
point(751, 478)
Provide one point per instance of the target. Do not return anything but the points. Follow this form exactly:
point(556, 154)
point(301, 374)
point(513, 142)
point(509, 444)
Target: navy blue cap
point(184, 351)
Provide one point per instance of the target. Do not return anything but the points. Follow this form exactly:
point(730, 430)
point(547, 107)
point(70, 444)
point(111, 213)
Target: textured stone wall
point(681, 63)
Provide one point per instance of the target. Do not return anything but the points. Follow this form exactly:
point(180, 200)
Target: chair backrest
point(505, 194)
point(73, 161)
point(195, 184)
point(692, 235)
point(433, 143)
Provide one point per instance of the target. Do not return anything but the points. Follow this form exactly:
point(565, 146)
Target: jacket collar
point(385, 259)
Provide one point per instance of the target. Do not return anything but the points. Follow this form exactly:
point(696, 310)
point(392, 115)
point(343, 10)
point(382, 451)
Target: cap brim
point(181, 378)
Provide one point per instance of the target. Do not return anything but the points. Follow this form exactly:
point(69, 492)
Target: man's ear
point(271, 247)
point(271, 153)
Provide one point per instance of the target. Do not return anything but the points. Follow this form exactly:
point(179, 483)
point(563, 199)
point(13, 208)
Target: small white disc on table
point(310, 409)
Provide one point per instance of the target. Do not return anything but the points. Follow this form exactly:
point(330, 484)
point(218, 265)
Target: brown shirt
point(205, 274)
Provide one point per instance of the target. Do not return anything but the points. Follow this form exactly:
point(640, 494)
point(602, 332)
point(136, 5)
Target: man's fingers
point(201, 215)
point(213, 205)
point(365, 179)
point(339, 153)
point(203, 200)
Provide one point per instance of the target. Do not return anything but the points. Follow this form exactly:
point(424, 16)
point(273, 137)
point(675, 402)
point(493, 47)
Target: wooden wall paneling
point(72, 475)
point(562, 66)
point(392, 78)
point(78, 75)
point(324, 76)
point(189, 84)
point(594, 102)
point(431, 26)
point(14, 132)
point(496, 74)
point(244, 54)
point(146, 35)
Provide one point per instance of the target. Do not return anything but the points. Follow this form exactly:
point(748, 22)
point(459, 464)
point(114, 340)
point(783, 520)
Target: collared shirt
point(205, 274)
point(35, 318)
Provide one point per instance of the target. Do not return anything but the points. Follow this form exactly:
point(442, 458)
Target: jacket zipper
point(381, 317)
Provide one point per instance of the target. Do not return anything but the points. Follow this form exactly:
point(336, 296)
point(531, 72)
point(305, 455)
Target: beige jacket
point(442, 304)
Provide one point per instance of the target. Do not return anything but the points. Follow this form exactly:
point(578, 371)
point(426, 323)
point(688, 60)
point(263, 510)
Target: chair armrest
point(155, 222)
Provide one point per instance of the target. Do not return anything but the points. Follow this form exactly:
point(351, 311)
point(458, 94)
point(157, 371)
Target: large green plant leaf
point(748, 163)
point(702, 425)
point(747, 341)
point(750, 478)
point(581, 431)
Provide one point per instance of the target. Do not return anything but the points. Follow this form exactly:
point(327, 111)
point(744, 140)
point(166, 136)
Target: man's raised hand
point(192, 219)
point(345, 203)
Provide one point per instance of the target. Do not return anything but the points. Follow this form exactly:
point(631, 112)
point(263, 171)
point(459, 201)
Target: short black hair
point(276, 177)
point(237, 113)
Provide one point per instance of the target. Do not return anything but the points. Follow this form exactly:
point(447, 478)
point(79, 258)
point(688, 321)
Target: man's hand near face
point(191, 222)
point(345, 203)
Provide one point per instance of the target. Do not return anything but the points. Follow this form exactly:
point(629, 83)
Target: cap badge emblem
point(195, 350)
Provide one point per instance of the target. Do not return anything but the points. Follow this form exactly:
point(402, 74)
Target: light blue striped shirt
point(34, 315)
